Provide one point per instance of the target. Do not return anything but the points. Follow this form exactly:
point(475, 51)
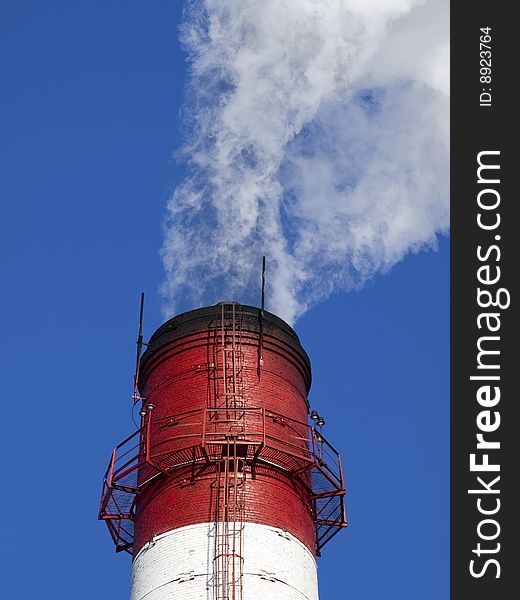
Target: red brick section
point(270, 500)
point(179, 376)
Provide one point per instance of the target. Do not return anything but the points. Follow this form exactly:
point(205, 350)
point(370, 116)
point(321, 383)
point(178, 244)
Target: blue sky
point(89, 120)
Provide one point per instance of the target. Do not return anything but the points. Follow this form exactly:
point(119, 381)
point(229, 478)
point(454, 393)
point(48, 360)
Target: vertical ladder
point(228, 558)
point(229, 394)
point(230, 475)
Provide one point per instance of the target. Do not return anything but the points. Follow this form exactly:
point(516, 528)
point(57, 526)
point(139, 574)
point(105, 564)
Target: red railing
point(164, 445)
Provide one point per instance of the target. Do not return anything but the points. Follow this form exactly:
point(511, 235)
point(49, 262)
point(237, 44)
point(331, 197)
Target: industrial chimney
point(226, 491)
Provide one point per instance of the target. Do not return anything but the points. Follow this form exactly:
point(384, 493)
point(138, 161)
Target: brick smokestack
point(225, 492)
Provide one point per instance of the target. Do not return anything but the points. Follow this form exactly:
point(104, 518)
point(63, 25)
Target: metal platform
point(197, 440)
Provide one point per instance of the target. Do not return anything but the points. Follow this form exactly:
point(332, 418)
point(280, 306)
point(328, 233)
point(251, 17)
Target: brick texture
point(183, 375)
point(179, 564)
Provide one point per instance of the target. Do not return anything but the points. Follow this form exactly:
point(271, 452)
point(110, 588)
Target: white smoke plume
point(317, 133)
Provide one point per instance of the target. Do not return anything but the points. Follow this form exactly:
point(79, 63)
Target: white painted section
point(178, 565)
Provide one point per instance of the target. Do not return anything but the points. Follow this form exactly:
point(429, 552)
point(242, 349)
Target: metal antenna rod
point(136, 396)
point(263, 283)
point(261, 340)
